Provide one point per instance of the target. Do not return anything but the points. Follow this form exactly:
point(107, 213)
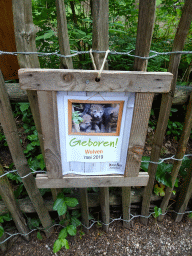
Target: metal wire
point(75, 53)
point(92, 224)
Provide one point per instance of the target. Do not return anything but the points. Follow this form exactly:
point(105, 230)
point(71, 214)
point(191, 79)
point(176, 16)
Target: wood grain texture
point(126, 205)
point(71, 181)
point(8, 197)
point(142, 109)
point(181, 149)
point(49, 120)
point(15, 93)
point(8, 63)
point(84, 208)
point(100, 40)
point(19, 159)
point(63, 34)
point(166, 103)
point(184, 196)
point(104, 203)
point(84, 80)
point(93, 201)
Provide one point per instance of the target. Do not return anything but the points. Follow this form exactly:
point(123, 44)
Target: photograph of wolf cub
point(96, 117)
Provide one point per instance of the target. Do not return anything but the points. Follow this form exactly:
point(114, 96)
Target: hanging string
point(102, 66)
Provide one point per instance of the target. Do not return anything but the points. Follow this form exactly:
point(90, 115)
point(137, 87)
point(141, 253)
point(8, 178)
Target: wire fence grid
point(75, 53)
point(161, 160)
point(91, 225)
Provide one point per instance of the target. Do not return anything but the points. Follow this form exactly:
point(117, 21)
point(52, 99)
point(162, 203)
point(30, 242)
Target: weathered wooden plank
point(19, 159)
point(182, 145)
point(100, 40)
point(93, 201)
point(84, 80)
point(92, 181)
point(126, 205)
point(104, 203)
point(8, 63)
point(49, 119)
point(63, 34)
point(184, 196)
point(16, 94)
point(138, 133)
point(166, 103)
point(84, 208)
point(7, 195)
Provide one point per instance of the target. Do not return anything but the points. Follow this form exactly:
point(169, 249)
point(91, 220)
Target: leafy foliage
point(70, 221)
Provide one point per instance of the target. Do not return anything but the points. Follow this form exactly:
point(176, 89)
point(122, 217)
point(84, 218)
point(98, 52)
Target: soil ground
point(158, 238)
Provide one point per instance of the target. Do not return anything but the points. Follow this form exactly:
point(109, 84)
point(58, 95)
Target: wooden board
point(81, 80)
point(78, 181)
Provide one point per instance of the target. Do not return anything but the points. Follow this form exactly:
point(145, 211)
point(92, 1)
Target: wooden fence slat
point(25, 33)
point(126, 205)
point(100, 41)
point(84, 80)
point(7, 195)
point(84, 207)
point(146, 21)
point(19, 159)
point(184, 196)
point(141, 114)
point(79, 181)
point(181, 149)
point(26, 205)
point(63, 34)
point(50, 129)
point(166, 103)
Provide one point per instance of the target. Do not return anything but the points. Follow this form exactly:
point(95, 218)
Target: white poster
point(94, 130)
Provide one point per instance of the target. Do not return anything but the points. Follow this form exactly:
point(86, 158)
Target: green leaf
point(71, 230)
point(65, 243)
point(157, 211)
point(159, 190)
point(71, 202)
point(63, 233)
point(47, 35)
point(145, 164)
point(75, 222)
point(60, 205)
point(24, 106)
point(57, 245)
point(1, 231)
point(39, 236)
point(163, 174)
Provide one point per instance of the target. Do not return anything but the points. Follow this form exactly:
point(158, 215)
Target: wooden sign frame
point(48, 82)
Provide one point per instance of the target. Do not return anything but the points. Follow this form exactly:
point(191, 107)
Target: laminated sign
point(96, 129)
point(93, 125)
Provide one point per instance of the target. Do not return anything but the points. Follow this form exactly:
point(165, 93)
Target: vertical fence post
point(166, 103)
point(68, 64)
point(144, 37)
point(7, 195)
point(182, 145)
point(19, 159)
point(100, 41)
point(63, 34)
point(184, 196)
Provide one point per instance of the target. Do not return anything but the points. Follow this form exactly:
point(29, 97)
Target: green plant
point(157, 212)
point(70, 221)
point(3, 218)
